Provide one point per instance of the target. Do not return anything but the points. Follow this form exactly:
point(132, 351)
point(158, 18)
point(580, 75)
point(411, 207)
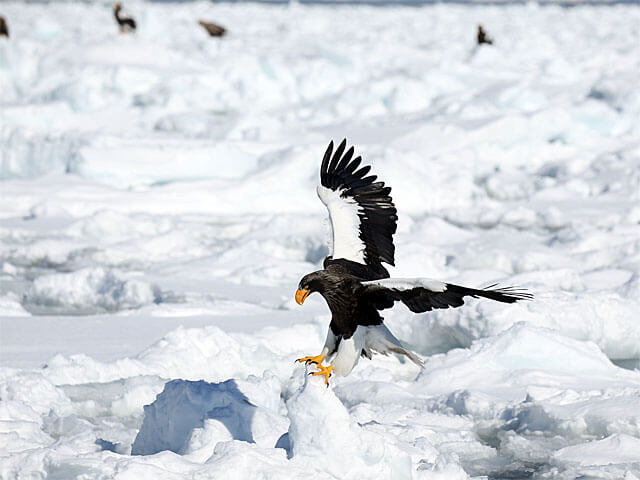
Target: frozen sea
point(158, 208)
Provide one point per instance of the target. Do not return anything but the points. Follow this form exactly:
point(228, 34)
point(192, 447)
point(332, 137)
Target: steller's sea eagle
point(4, 30)
point(213, 29)
point(125, 21)
point(354, 283)
point(483, 37)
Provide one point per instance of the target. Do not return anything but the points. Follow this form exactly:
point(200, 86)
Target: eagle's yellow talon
point(306, 360)
point(325, 371)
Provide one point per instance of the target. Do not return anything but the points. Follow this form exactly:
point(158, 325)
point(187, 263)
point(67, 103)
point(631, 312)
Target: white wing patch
point(409, 283)
point(345, 225)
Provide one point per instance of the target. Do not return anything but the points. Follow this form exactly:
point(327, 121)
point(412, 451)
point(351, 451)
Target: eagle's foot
point(322, 370)
point(307, 360)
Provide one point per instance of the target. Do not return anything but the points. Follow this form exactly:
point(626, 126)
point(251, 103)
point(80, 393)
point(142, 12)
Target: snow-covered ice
point(158, 208)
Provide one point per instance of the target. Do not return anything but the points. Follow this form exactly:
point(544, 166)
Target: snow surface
point(158, 208)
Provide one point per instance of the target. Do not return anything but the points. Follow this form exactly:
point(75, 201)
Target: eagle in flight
point(355, 284)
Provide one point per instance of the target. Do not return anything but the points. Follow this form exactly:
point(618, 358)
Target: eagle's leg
point(325, 371)
point(317, 359)
point(328, 349)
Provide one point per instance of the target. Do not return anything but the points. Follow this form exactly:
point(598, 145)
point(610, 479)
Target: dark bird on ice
point(4, 29)
point(354, 282)
point(483, 36)
point(212, 29)
point(125, 21)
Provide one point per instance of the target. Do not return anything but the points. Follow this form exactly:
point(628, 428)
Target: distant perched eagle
point(126, 22)
point(4, 29)
point(212, 29)
point(483, 36)
point(354, 283)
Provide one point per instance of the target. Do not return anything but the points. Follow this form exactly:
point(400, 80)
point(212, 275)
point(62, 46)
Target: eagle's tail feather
point(381, 340)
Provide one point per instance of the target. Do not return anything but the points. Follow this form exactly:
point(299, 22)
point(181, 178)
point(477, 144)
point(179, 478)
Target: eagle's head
point(310, 283)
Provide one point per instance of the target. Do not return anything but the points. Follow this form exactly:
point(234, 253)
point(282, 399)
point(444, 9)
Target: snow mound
point(191, 417)
point(615, 449)
point(11, 307)
point(207, 353)
point(236, 460)
point(183, 406)
point(521, 348)
point(323, 431)
point(88, 290)
point(28, 154)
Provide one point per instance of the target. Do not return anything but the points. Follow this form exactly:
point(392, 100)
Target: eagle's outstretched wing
point(363, 216)
point(422, 294)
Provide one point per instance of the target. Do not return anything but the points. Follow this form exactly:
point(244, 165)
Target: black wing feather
point(421, 299)
point(325, 161)
point(338, 155)
point(378, 214)
point(345, 159)
point(349, 169)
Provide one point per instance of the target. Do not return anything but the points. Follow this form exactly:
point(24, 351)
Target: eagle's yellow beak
point(301, 295)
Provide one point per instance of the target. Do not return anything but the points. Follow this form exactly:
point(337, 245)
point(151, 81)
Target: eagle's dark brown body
point(4, 29)
point(343, 293)
point(213, 29)
point(483, 37)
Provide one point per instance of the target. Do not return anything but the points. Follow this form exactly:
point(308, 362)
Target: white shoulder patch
point(345, 225)
point(409, 283)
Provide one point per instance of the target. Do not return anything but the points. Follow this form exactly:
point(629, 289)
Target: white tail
point(379, 339)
